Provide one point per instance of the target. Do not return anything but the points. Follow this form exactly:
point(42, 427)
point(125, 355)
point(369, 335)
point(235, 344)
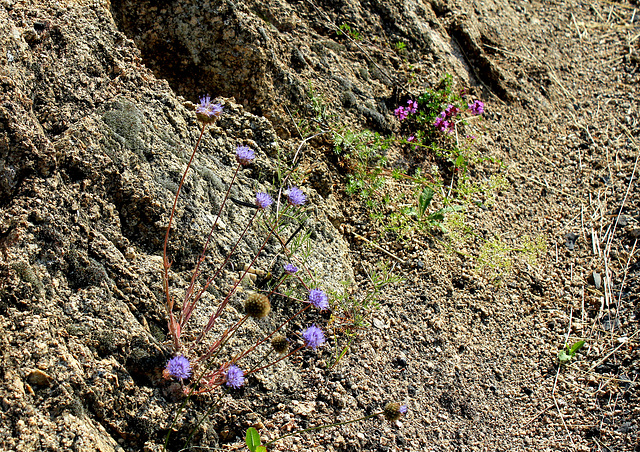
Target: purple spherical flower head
point(290, 269)
point(295, 196)
point(244, 155)
point(313, 337)
point(403, 409)
point(477, 107)
point(319, 299)
point(235, 377)
point(207, 110)
point(263, 200)
point(179, 367)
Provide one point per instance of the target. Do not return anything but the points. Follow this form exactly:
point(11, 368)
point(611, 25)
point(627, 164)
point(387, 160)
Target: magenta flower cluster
point(445, 121)
point(403, 112)
point(451, 111)
point(442, 124)
point(476, 108)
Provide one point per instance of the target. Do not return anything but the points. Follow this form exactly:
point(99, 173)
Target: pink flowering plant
point(438, 127)
point(437, 123)
point(202, 361)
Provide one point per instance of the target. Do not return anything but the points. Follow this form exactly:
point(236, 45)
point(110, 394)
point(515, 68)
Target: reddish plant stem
point(277, 285)
point(225, 336)
point(224, 303)
point(242, 355)
point(275, 362)
point(175, 331)
point(273, 291)
point(188, 309)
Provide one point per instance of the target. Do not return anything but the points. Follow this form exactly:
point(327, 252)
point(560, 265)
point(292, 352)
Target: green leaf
point(253, 439)
point(563, 357)
point(577, 346)
point(436, 216)
point(424, 200)
point(261, 449)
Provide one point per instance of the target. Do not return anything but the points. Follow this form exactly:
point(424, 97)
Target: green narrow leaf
point(424, 200)
point(253, 439)
point(577, 346)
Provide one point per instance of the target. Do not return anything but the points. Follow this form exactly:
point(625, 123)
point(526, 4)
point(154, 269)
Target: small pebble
point(570, 240)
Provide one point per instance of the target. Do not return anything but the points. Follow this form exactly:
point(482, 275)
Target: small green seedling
point(424, 200)
point(253, 441)
point(400, 46)
point(566, 354)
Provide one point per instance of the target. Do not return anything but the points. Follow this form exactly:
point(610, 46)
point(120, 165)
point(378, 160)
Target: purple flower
point(179, 367)
point(235, 377)
point(413, 106)
point(263, 200)
point(313, 337)
point(401, 113)
point(403, 409)
point(296, 197)
point(244, 155)
point(207, 111)
point(411, 138)
point(477, 107)
point(290, 269)
point(319, 299)
point(441, 124)
point(451, 111)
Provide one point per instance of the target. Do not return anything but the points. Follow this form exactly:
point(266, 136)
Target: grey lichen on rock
point(125, 121)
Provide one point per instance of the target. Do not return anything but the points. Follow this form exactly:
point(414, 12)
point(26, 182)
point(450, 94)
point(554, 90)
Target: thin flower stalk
point(188, 308)
point(224, 303)
point(224, 338)
point(191, 392)
point(276, 361)
point(213, 406)
point(283, 279)
point(173, 325)
point(392, 412)
point(290, 256)
point(337, 424)
point(257, 344)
